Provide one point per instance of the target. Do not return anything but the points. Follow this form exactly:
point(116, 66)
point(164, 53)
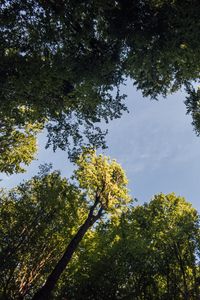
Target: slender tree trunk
point(195, 289)
point(45, 292)
point(181, 264)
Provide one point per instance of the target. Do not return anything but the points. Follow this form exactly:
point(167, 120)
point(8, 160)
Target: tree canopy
point(61, 68)
point(148, 251)
point(44, 219)
point(37, 219)
point(153, 253)
point(64, 60)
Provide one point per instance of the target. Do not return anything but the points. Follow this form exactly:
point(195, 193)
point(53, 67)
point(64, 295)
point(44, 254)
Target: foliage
point(193, 106)
point(152, 254)
point(40, 217)
point(37, 219)
point(101, 176)
point(62, 63)
point(104, 183)
point(46, 68)
point(17, 146)
point(64, 60)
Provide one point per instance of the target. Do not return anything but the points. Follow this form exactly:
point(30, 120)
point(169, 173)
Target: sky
point(155, 143)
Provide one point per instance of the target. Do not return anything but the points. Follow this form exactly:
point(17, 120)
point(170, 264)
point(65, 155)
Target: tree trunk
point(181, 264)
point(45, 292)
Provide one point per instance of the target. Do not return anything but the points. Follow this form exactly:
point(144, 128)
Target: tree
point(152, 249)
point(37, 218)
point(62, 59)
point(105, 184)
point(45, 69)
point(152, 253)
point(171, 230)
point(33, 252)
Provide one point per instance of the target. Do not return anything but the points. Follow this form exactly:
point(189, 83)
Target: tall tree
point(152, 253)
point(37, 219)
point(105, 184)
point(44, 220)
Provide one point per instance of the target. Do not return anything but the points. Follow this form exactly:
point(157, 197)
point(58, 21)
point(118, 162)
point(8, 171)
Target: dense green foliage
point(61, 67)
point(46, 68)
point(104, 183)
point(18, 146)
point(148, 251)
point(152, 254)
point(42, 215)
point(37, 219)
point(62, 60)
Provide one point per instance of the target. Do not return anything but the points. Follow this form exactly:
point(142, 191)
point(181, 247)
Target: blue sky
point(155, 143)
